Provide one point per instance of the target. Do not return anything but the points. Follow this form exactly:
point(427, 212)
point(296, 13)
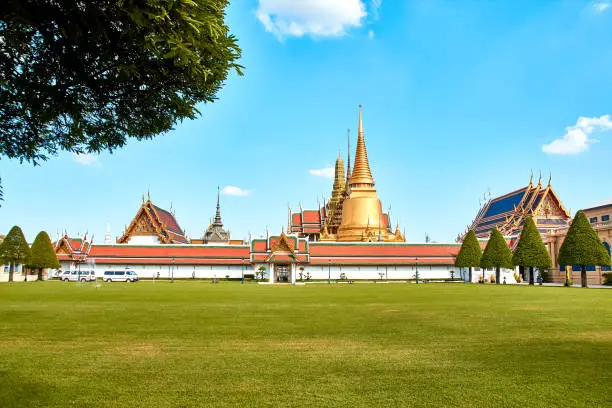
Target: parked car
point(75, 276)
point(120, 276)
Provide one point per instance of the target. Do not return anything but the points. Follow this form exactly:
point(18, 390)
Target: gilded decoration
point(283, 244)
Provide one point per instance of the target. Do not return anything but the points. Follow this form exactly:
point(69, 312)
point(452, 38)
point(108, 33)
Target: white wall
point(401, 272)
point(167, 271)
point(464, 273)
point(143, 240)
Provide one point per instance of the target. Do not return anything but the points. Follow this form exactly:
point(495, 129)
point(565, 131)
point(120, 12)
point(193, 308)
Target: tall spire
point(348, 162)
point(361, 170)
point(217, 221)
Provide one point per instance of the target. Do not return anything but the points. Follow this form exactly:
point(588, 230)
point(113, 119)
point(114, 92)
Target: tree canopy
point(14, 248)
point(582, 245)
point(43, 253)
point(497, 254)
point(470, 252)
point(530, 250)
point(86, 76)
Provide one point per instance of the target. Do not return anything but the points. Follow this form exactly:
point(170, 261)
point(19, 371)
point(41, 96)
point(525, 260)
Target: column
point(292, 271)
point(271, 272)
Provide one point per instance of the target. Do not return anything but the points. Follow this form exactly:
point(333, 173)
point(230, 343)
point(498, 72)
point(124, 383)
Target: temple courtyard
point(194, 344)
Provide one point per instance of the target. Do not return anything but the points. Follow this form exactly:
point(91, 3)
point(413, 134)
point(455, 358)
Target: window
point(593, 220)
point(605, 217)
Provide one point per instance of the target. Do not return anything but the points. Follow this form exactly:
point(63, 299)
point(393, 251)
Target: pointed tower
point(215, 232)
point(362, 211)
point(348, 162)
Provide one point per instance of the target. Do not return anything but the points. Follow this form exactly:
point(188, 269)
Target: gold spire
point(361, 169)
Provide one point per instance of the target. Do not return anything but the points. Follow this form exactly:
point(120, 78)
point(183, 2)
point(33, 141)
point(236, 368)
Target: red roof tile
point(168, 219)
point(311, 217)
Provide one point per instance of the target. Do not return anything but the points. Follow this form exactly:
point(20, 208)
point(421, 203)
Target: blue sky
point(459, 98)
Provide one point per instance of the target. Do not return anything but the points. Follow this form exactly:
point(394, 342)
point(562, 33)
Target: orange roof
point(311, 217)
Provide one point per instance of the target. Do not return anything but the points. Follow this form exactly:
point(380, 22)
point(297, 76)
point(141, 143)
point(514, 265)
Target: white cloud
point(370, 34)
point(85, 159)
point(327, 172)
point(600, 6)
point(235, 191)
point(576, 138)
point(318, 18)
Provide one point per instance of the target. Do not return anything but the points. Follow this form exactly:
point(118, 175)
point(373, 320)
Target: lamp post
point(242, 262)
point(172, 272)
point(417, 270)
point(329, 271)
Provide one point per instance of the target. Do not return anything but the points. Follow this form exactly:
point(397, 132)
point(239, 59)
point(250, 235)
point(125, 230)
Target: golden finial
point(540, 179)
point(143, 198)
point(549, 177)
point(361, 170)
point(531, 178)
point(148, 195)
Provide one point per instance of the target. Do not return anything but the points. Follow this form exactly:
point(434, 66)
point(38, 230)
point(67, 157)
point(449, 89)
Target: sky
point(459, 99)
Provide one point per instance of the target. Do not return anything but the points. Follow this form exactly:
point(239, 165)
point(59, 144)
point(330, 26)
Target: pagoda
point(215, 233)
point(362, 215)
point(354, 212)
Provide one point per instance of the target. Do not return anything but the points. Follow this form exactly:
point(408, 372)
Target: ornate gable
point(283, 244)
point(154, 221)
point(63, 247)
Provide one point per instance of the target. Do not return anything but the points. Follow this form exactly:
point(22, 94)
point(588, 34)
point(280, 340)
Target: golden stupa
point(362, 216)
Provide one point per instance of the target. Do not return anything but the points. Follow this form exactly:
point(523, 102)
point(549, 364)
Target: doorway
point(282, 273)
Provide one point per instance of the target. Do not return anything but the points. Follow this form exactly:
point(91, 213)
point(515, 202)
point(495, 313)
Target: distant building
point(348, 238)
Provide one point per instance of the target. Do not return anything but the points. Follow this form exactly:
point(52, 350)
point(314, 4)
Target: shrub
point(492, 278)
point(517, 277)
point(607, 278)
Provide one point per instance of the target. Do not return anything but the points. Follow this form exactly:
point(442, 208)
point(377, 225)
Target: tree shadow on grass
point(19, 392)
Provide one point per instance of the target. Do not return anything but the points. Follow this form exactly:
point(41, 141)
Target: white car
point(120, 276)
point(75, 276)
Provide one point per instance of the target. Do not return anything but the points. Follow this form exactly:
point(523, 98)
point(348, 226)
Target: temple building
point(354, 212)
point(508, 212)
point(153, 225)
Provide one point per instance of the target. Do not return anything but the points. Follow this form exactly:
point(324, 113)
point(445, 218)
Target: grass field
point(193, 344)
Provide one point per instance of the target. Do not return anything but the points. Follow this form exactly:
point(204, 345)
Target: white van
point(120, 276)
point(75, 276)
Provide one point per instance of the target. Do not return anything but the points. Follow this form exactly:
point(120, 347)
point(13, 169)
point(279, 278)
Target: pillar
point(292, 271)
point(271, 271)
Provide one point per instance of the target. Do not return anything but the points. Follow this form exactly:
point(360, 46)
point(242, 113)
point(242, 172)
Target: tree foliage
point(86, 76)
point(14, 248)
point(582, 246)
point(530, 250)
point(43, 254)
point(470, 252)
point(497, 254)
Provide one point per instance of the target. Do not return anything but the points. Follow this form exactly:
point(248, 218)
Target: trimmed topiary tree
point(14, 250)
point(43, 254)
point(583, 247)
point(497, 254)
point(469, 254)
point(530, 251)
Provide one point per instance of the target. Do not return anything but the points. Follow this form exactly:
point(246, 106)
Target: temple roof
point(153, 220)
point(507, 212)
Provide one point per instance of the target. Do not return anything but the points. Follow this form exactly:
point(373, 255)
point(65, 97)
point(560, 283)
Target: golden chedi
point(362, 216)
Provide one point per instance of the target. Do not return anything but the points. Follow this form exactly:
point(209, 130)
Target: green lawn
point(193, 344)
